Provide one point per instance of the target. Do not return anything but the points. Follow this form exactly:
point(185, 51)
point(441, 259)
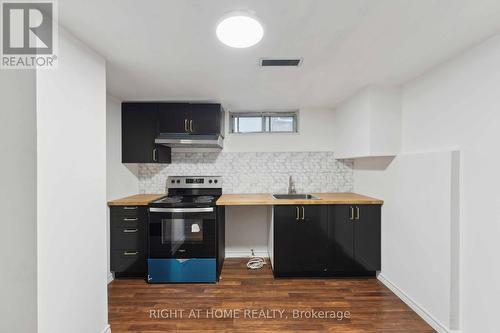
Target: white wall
point(71, 189)
point(315, 134)
point(247, 228)
point(352, 119)
point(121, 179)
point(456, 105)
point(418, 217)
point(368, 123)
point(18, 201)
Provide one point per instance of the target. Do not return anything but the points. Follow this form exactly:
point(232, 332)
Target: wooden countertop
point(261, 199)
point(136, 200)
point(265, 199)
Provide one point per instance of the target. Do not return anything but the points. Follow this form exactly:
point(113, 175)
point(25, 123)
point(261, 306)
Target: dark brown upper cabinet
point(139, 131)
point(191, 118)
point(173, 117)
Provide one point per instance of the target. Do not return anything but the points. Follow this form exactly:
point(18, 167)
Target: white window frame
point(265, 115)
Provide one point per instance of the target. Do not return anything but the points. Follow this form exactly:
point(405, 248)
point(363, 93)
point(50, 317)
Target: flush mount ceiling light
point(240, 31)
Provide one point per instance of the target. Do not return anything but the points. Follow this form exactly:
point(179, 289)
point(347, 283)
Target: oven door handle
point(181, 210)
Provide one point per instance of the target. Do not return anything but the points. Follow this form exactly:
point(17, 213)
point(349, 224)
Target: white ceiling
point(167, 50)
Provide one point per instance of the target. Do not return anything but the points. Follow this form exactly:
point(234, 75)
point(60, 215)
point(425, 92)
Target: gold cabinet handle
point(357, 213)
point(155, 156)
point(303, 213)
point(186, 125)
point(298, 213)
point(351, 216)
point(191, 125)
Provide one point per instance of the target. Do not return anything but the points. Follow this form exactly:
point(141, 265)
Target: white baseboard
point(110, 277)
point(245, 254)
point(429, 319)
point(107, 329)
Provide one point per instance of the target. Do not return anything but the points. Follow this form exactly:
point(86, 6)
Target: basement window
point(264, 122)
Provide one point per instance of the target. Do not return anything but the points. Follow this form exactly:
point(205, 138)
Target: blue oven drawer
point(181, 270)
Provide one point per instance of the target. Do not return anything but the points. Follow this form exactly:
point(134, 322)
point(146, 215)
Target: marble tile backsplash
point(251, 172)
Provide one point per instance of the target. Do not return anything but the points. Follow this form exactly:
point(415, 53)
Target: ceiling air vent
point(280, 62)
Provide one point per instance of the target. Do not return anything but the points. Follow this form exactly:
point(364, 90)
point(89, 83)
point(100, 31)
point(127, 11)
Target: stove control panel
point(194, 182)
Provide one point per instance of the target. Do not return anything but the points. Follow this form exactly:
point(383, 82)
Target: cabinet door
point(341, 238)
point(138, 132)
point(300, 239)
point(128, 263)
point(173, 117)
point(367, 237)
point(205, 119)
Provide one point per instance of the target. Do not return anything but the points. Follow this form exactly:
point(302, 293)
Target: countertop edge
point(266, 199)
point(136, 200)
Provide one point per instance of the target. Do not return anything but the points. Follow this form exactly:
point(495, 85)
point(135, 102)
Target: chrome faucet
point(291, 186)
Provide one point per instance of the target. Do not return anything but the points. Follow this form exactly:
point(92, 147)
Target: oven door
point(182, 232)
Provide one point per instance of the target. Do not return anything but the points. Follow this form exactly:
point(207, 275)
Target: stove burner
point(175, 199)
point(203, 199)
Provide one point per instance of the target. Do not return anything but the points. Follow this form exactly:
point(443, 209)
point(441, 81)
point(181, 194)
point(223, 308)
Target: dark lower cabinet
point(354, 232)
point(300, 240)
point(331, 240)
point(341, 239)
point(128, 235)
point(367, 237)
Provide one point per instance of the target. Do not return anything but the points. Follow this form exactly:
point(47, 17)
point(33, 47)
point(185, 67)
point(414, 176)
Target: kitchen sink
point(295, 197)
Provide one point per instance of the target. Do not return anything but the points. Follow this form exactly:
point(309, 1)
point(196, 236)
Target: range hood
point(190, 140)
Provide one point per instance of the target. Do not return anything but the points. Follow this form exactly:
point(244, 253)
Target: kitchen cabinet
point(354, 233)
point(139, 131)
point(300, 240)
point(206, 118)
point(173, 117)
point(326, 240)
point(128, 235)
point(368, 124)
point(191, 118)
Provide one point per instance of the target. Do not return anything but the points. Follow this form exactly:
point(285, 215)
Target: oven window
point(182, 235)
point(181, 231)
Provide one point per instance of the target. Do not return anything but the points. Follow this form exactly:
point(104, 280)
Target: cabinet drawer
point(128, 261)
point(128, 216)
point(121, 222)
point(128, 238)
point(128, 211)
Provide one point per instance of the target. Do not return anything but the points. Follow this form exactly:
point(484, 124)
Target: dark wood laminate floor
point(372, 307)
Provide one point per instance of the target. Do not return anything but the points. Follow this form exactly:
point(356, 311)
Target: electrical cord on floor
point(255, 262)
